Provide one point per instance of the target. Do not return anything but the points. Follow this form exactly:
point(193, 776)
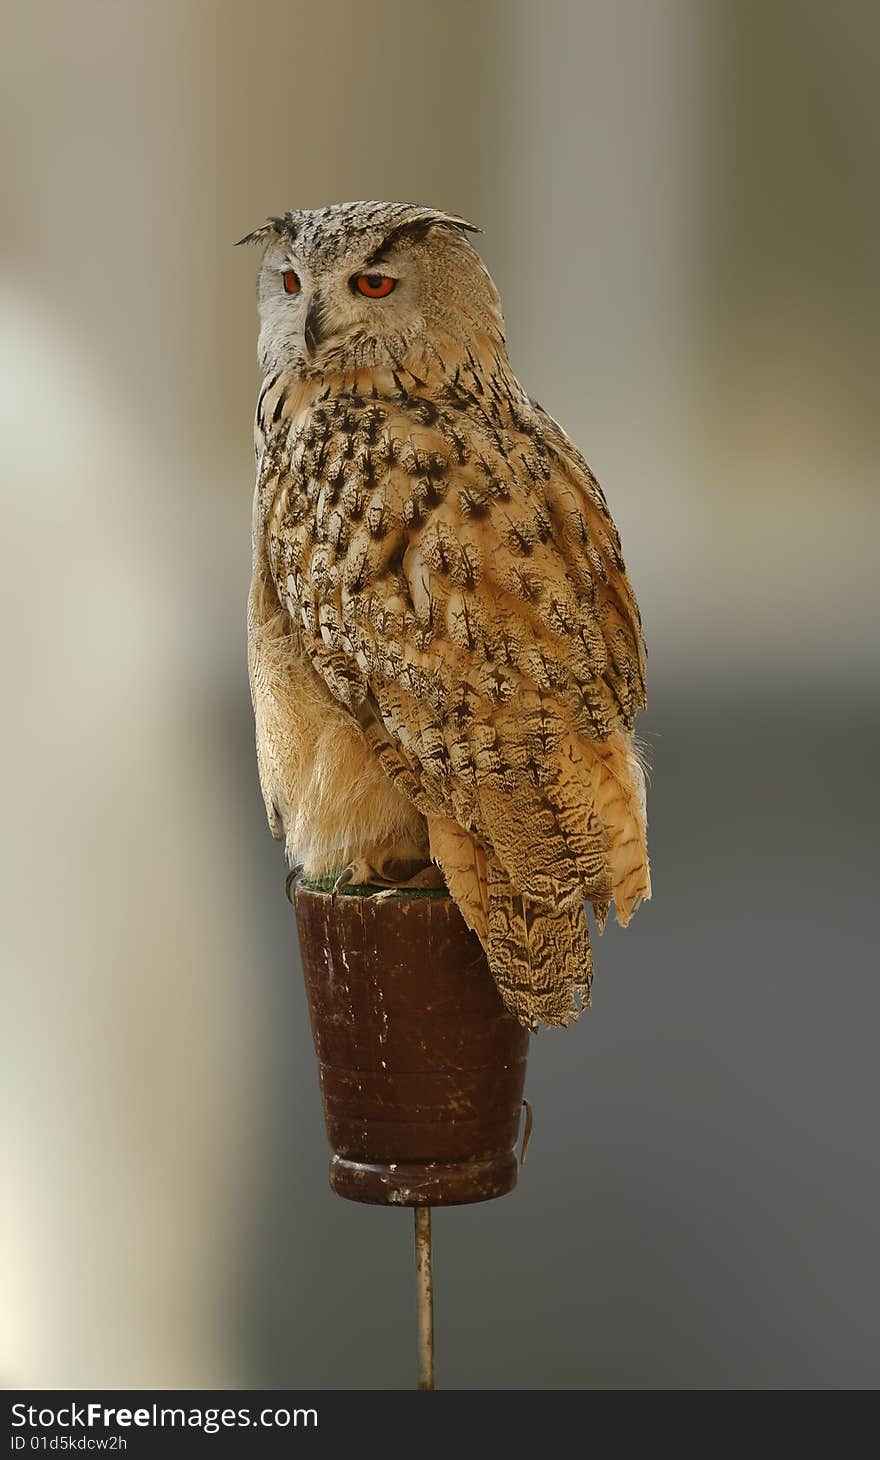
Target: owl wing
point(460, 586)
point(594, 535)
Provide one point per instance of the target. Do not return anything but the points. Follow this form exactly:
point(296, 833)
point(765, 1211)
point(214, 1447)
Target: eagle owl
point(446, 656)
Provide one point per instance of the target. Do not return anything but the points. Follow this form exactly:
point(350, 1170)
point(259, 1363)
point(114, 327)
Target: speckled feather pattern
point(437, 573)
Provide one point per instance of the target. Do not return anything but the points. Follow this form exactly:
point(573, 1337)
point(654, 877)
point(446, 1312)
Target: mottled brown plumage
point(446, 654)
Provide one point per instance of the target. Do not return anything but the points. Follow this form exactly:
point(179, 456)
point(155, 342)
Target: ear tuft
point(452, 220)
point(417, 227)
point(272, 225)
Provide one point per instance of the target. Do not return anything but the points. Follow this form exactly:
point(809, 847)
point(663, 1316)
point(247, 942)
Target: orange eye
point(291, 282)
point(374, 286)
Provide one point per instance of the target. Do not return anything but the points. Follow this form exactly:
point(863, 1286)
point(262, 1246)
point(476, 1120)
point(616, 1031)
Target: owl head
point(364, 284)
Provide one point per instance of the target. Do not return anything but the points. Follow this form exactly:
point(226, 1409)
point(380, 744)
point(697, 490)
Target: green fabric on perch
point(350, 889)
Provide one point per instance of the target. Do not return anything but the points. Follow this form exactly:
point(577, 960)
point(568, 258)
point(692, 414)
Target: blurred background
point(680, 206)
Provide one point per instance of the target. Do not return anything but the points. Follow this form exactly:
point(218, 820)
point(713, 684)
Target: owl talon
point(342, 881)
point(290, 879)
point(427, 878)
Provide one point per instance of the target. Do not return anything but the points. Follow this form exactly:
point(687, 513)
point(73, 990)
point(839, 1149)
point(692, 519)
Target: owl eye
point(374, 286)
point(291, 282)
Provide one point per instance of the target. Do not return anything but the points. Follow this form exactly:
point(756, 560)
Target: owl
point(445, 653)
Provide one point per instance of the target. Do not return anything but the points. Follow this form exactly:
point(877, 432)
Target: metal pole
point(425, 1287)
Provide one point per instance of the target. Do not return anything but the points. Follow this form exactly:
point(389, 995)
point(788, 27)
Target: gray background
point(680, 209)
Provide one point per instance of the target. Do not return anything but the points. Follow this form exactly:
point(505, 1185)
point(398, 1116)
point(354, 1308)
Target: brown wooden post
point(421, 1067)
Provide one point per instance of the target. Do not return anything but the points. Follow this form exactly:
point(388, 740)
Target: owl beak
point(314, 327)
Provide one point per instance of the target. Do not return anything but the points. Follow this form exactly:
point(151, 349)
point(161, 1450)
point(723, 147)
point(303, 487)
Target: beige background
point(680, 207)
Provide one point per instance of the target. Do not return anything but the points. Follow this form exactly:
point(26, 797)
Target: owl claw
point(342, 881)
point(430, 878)
point(290, 879)
point(363, 873)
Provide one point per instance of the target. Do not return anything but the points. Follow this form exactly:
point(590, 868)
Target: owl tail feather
point(618, 786)
point(540, 957)
point(598, 787)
